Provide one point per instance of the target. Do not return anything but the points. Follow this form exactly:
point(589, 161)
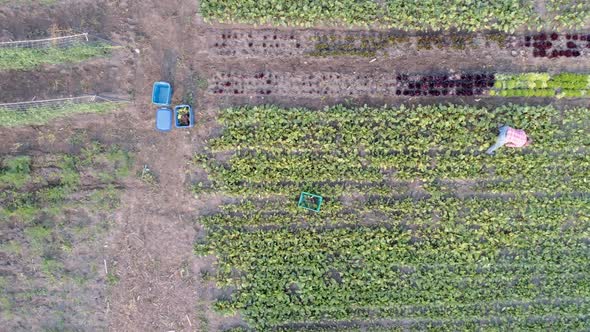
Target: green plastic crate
point(310, 201)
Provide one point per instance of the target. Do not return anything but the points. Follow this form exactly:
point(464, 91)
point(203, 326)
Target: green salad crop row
point(565, 85)
point(328, 275)
point(568, 13)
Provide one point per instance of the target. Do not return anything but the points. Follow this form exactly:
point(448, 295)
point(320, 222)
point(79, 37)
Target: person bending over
point(513, 138)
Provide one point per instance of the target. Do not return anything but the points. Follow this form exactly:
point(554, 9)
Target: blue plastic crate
point(162, 93)
point(177, 118)
point(164, 119)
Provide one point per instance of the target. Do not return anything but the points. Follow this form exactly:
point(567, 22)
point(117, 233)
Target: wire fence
point(60, 102)
point(61, 42)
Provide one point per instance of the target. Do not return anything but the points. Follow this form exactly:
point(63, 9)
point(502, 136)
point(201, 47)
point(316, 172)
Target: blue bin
point(162, 94)
point(164, 119)
point(191, 117)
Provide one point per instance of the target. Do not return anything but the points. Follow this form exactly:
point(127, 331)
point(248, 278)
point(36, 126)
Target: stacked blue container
point(183, 116)
point(162, 96)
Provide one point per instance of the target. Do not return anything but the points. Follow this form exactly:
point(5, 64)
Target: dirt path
point(151, 247)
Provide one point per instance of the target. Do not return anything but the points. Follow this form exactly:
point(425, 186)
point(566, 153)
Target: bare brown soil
point(98, 76)
point(148, 248)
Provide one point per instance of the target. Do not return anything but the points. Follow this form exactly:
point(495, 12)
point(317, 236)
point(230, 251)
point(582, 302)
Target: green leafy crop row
point(565, 85)
point(419, 227)
point(568, 13)
point(504, 15)
point(342, 274)
point(273, 146)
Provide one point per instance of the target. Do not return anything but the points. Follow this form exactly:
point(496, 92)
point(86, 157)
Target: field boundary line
point(44, 39)
point(59, 102)
point(61, 41)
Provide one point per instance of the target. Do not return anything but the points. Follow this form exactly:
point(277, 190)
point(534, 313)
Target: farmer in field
point(514, 138)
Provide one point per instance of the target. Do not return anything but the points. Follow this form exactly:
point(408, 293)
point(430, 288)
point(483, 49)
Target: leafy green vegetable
point(419, 227)
point(503, 15)
point(564, 85)
point(569, 14)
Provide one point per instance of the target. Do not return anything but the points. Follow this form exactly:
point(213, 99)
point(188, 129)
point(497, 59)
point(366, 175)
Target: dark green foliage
point(503, 15)
point(420, 228)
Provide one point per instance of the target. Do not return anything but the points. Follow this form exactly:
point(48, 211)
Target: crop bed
point(402, 85)
point(556, 45)
point(300, 83)
point(273, 43)
point(419, 228)
point(567, 85)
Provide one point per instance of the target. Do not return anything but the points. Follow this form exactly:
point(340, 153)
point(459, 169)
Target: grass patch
point(5, 303)
point(15, 171)
point(30, 58)
point(37, 234)
point(43, 115)
point(70, 179)
point(112, 164)
point(52, 195)
point(22, 210)
point(56, 228)
point(51, 268)
point(121, 160)
point(105, 199)
point(11, 247)
point(112, 279)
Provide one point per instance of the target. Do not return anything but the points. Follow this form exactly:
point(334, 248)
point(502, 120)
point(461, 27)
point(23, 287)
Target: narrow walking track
point(151, 244)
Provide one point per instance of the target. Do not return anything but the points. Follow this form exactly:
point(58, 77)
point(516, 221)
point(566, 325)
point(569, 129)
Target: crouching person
point(513, 138)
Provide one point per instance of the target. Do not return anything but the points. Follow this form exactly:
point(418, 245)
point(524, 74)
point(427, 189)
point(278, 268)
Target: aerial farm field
point(381, 111)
